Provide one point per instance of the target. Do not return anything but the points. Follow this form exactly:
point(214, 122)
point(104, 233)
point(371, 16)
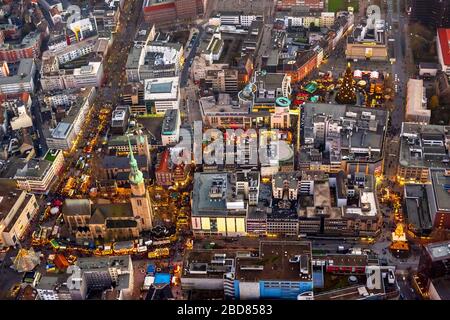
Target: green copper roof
point(136, 175)
point(283, 102)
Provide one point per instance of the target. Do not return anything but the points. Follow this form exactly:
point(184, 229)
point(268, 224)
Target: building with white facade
point(21, 81)
point(38, 174)
point(237, 18)
point(63, 135)
point(161, 94)
point(17, 209)
point(84, 76)
point(416, 103)
point(71, 52)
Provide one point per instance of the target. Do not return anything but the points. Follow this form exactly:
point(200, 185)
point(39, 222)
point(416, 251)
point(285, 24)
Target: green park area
point(342, 5)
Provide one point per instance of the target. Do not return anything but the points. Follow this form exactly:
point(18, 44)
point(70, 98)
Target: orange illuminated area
point(399, 241)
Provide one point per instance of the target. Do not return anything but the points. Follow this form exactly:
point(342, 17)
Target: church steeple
point(136, 177)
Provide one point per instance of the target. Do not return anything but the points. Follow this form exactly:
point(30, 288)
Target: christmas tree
point(347, 91)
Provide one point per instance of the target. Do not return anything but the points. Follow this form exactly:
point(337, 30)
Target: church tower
point(140, 199)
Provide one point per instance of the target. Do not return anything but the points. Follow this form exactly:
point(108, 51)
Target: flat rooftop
point(424, 146)
point(269, 81)
point(169, 125)
point(416, 99)
point(161, 88)
point(24, 73)
point(441, 187)
point(61, 131)
point(212, 195)
point(417, 206)
point(367, 125)
point(199, 263)
point(35, 169)
point(224, 105)
point(103, 263)
point(438, 251)
point(8, 198)
point(357, 260)
point(278, 260)
point(442, 286)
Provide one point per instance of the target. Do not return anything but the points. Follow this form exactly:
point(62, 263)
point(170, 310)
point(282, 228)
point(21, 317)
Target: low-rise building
point(368, 42)
point(428, 69)
point(248, 275)
point(416, 103)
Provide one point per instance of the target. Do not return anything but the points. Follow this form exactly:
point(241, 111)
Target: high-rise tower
point(140, 199)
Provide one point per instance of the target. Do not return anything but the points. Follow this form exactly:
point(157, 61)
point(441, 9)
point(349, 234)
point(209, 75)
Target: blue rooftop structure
point(162, 278)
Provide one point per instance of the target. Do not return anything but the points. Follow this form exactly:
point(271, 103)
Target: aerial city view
point(225, 150)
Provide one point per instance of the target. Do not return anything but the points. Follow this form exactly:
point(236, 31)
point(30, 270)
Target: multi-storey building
point(221, 79)
point(368, 42)
point(53, 78)
point(29, 48)
point(63, 134)
point(422, 147)
point(244, 275)
point(310, 4)
point(352, 137)
point(443, 49)
point(119, 120)
point(155, 59)
point(433, 270)
point(165, 11)
point(21, 81)
point(434, 13)
point(216, 208)
point(161, 94)
point(18, 208)
point(170, 131)
point(72, 52)
point(38, 174)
